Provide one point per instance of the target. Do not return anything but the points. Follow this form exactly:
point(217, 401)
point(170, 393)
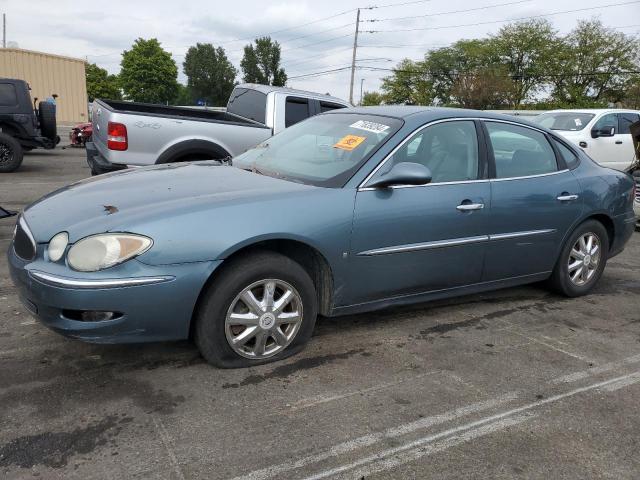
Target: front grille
point(23, 242)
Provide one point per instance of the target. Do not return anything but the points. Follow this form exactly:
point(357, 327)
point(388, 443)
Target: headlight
point(98, 252)
point(57, 246)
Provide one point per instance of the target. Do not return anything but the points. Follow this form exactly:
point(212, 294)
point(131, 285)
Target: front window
point(567, 121)
point(325, 150)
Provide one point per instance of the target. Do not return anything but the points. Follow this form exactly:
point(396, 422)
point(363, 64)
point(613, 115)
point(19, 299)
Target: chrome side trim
point(424, 246)
point(557, 172)
point(505, 236)
point(412, 247)
point(66, 282)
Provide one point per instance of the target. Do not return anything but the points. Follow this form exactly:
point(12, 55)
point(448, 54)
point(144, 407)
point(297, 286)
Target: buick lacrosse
point(346, 212)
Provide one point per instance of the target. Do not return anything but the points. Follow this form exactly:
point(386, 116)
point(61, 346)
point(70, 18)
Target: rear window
point(8, 97)
point(568, 121)
point(296, 110)
point(248, 103)
point(328, 106)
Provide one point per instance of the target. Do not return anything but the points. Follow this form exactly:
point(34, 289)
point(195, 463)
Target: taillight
point(117, 136)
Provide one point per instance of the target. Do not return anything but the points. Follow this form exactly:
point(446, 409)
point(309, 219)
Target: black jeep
point(23, 127)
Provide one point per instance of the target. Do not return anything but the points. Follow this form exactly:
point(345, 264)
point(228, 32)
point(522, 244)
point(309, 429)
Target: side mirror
point(606, 131)
point(403, 173)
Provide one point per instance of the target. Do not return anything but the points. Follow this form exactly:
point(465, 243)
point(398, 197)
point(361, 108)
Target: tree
point(211, 76)
point(408, 84)
point(261, 63)
point(589, 70)
point(527, 50)
point(100, 84)
point(445, 66)
point(148, 73)
point(486, 87)
point(370, 99)
point(183, 97)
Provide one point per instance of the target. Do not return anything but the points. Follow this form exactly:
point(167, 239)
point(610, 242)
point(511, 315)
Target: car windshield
point(325, 150)
point(568, 121)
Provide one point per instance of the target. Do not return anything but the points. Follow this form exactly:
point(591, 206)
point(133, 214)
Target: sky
point(312, 44)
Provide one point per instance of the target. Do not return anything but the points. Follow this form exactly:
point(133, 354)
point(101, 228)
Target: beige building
point(48, 74)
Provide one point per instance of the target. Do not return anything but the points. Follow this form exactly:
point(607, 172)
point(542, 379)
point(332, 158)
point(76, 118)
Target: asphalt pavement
point(518, 383)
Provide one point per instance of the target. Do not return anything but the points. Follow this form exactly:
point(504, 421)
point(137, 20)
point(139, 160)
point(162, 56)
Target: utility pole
point(361, 82)
point(4, 30)
point(353, 60)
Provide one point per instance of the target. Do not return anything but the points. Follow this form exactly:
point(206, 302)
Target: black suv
point(23, 127)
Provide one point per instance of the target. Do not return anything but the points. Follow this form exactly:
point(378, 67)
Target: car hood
point(120, 201)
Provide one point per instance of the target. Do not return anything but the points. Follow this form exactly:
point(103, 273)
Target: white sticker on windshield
point(578, 122)
point(369, 126)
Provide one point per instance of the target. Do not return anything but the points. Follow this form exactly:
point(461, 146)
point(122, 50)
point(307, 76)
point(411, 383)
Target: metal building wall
point(48, 74)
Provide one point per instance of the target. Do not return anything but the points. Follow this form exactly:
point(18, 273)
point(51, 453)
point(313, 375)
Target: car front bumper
point(151, 303)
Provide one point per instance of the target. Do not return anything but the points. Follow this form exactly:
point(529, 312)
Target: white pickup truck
point(138, 134)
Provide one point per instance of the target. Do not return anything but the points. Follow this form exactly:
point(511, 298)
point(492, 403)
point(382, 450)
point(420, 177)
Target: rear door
point(535, 199)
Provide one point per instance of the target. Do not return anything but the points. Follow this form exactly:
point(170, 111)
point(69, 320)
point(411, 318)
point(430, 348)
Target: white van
point(603, 134)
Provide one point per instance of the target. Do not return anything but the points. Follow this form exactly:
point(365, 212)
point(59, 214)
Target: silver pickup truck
point(138, 134)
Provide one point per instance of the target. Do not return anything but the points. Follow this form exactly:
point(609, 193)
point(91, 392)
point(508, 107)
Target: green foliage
point(589, 67)
point(100, 84)
point(148, 73)
point(525, 63)
point(528, 50)
point(211, 76)
point(370, 99)
point(407, 85)
point(184, 96)
point(261, 63)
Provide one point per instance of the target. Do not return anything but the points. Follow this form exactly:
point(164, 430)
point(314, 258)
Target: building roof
point(22, 51)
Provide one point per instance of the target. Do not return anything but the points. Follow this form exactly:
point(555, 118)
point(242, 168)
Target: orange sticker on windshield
point(349, 142)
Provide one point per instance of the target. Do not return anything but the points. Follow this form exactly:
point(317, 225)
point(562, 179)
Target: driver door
point(414, 239)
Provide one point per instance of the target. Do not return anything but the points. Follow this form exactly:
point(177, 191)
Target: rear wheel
point(582, 260)
point(11, 153)
point(262, 308)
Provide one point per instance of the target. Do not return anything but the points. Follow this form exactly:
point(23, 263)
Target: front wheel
point(262, 308)
point(582, 260)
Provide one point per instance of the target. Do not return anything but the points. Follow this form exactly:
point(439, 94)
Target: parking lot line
point(371, 439)
point(376, 463)
point(166, 441)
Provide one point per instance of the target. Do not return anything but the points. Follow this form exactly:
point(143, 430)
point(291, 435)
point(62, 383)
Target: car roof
point(421, 114)
point(594, 111)
point(266, 89)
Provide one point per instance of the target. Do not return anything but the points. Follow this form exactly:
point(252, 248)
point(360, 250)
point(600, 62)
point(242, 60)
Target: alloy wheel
point(584, 259)
point(263, 319)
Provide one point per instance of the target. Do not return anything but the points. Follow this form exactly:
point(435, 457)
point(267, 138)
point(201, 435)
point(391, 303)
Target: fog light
point(92, 316)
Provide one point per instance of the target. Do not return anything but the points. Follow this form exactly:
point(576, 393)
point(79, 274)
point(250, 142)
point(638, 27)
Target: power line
point(412, 17)
point(326, 72)
point(469, 73)
point(503, 21)
point(318, 43)
point(402, 4)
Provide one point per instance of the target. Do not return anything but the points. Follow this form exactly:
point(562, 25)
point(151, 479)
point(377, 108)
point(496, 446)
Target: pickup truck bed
point(138, 134)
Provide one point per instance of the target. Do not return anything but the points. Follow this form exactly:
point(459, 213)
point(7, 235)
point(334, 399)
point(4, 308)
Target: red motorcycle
point(80, 134)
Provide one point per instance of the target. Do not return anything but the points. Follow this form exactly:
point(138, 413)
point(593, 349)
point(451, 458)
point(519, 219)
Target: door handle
point(467, 207)
point(567, 198)
point(618, 142)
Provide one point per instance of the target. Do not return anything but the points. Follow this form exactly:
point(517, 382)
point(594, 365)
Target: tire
point(212, 334)
point(11, 153)
point(47, 117)
point(562, 279)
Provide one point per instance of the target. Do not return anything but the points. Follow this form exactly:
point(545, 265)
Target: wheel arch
point(307, 256)
point(192, 148)
point(608, 224)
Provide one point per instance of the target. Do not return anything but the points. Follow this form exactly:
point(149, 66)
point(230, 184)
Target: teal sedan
point(349, 211)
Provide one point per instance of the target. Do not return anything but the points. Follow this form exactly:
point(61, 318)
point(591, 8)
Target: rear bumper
point(98, 163)
point(151, 303)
